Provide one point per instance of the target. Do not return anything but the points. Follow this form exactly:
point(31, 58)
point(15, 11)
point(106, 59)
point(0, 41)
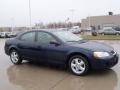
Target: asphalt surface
point(43, 77)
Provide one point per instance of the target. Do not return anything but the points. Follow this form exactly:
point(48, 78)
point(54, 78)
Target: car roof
point(48, 30)
point(37, 30)
point(44, 30)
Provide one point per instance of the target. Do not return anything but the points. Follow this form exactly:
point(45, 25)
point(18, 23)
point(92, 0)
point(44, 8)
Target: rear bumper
point(6, 50)
point(105, 63)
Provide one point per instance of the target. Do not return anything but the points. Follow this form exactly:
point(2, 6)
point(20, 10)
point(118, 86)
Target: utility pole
point(12, 24)
point(89, 22)
point(72, 13)
point(30, 14)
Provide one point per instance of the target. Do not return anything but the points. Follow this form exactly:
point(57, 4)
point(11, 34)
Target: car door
point(108, 31)
point(112, 31)
point(27, 45)
point(53, 53)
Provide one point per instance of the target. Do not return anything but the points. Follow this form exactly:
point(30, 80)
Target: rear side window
point(28, 36)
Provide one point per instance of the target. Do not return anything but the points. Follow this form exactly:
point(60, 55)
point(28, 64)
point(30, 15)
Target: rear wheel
point(15, 57)
point(117, 34)
point(78, 65)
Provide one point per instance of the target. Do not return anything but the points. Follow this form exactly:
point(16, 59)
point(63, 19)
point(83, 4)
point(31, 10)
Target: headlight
point(100, 54)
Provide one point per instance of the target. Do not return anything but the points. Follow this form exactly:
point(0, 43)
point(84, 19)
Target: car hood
point(93, 46)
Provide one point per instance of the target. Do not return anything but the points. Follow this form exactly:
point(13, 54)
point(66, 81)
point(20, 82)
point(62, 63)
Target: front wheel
point(15, 57)
point(78, 65)
point(102, 34)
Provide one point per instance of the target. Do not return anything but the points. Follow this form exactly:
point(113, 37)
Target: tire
point(102, 34)
point(78, 65)
point(117, 34)
point(15, 57)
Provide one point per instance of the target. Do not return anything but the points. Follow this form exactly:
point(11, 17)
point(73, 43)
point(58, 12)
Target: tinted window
point(45, 38)
point(117, 28)
point(28, 36)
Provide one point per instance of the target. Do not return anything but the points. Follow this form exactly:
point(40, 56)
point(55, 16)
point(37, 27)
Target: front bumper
point(105, 63)
point(2, 36)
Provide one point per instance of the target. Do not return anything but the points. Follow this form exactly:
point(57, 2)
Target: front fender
point(87, 53)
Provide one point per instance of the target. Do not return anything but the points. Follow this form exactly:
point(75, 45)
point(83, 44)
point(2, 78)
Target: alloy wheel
point(78, 65)
point(14, 57)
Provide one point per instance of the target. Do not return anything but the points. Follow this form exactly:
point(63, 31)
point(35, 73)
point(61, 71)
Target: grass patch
point(101, 37)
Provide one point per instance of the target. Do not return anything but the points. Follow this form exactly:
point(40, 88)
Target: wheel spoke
point(16, 59)
point(81, 68)
point(73, 65)
point(12, 56)
point(81, 63)
point(76, 61)
point(14, 53)
point(77, 69)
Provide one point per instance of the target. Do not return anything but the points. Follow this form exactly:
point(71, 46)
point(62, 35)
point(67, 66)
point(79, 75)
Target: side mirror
point(55, 43)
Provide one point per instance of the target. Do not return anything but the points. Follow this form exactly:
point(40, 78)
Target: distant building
point(98, 22)
point(20, 29)
point(5, 29)
point(14, 29)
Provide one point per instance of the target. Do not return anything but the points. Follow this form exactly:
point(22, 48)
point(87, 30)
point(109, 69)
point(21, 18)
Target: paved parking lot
point(41, 77)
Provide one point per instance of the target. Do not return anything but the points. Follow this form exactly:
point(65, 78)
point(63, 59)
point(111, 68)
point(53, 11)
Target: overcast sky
point(16, 12)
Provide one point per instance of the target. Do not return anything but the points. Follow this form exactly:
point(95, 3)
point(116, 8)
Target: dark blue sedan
point(61, 47)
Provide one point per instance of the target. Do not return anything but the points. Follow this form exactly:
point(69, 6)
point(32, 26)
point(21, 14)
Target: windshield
point(67, 36)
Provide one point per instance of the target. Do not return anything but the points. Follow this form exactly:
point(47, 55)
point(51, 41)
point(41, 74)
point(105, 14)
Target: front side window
point(66, 36)
point(28, 36)
point(45, 38)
